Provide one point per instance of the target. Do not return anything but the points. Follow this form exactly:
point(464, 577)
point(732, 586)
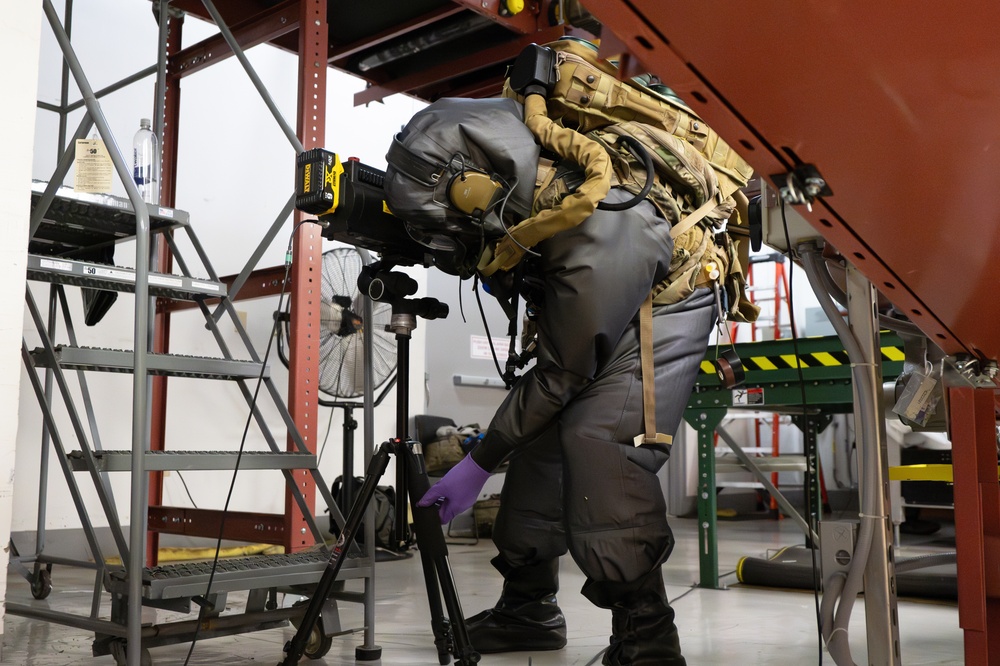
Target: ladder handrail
point(140, 386)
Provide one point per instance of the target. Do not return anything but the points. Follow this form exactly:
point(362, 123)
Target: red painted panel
point(898, 106)
point(977, 520)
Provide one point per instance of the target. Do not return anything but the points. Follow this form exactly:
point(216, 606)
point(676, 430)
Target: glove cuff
point(491, 451)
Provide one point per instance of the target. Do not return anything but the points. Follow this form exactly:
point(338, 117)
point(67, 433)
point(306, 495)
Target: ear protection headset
point(474, 192)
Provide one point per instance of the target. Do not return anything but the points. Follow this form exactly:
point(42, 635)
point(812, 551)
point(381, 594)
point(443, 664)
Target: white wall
point(236, 172)
point(19, 35)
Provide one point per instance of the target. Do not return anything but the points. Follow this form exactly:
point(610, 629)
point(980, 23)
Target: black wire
point(186, 489)
point(322, 446)
point(638, 150)
point(690, 590)
point(809, 500)
point(482, 314)
point(461, 302)
point(506, 230)
point(239, 455)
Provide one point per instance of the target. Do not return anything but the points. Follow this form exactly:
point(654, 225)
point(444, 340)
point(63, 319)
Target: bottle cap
point(145, 122)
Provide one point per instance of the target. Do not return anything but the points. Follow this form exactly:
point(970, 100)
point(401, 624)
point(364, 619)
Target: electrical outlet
point(837, 540)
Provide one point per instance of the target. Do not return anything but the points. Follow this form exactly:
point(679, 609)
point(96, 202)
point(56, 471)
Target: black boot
point(644, 636)
point(643, 632)
point(526, 618)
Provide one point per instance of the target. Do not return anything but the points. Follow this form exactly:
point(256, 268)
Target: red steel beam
point(455, 68)
point(260, 283)
point(161, 319)
point(977, 520)
point(307, 254)
point(236, 525)
point(264, 27)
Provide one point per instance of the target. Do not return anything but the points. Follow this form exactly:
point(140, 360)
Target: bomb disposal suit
point(582, 475)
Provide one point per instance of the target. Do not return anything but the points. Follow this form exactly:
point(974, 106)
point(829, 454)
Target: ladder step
point(115, 278)
point(121, 461)
point(172, 365)
point(77, 220)
point(763, 463)
point(720, 451)
point(189, 579)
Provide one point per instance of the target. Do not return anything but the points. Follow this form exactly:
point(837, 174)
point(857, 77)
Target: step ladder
point(773, 298)
point(71, 241)
point(72, 226)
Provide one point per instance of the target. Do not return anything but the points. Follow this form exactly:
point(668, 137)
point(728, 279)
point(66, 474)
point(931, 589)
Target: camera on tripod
point(350, 198)
point(393, 287)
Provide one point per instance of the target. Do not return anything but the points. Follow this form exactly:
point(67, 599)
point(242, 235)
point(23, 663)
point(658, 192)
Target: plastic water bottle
point(146, 162)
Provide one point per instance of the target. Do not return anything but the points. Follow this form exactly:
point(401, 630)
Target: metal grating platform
point(77, 221)
point(172, 365)
point(190, 579)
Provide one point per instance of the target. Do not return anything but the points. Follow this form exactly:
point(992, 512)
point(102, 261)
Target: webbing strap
point(692, 219)
point(648, 378)
point(415, 166)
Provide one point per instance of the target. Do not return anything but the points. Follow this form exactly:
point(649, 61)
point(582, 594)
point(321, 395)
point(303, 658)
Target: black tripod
point(450, 635)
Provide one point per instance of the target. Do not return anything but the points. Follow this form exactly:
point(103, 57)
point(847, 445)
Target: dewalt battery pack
point(317, 181)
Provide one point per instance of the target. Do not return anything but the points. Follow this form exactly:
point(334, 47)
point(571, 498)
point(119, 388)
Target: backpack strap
point(650, 436)
point(694, 218)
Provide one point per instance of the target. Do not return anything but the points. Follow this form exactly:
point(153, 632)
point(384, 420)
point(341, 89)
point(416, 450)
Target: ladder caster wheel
point(41, 586)
point(318, 644)
point(119, 651)
point(362, 653)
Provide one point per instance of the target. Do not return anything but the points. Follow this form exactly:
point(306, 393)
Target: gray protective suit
point(575, 479)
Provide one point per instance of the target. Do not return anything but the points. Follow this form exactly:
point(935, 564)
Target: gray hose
point(925, 562)
point(835, 623)
point(900, 326)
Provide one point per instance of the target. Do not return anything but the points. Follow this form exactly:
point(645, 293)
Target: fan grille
point(342, 349)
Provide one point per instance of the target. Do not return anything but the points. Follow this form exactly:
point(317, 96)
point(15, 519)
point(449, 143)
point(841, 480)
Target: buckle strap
point(648, 378)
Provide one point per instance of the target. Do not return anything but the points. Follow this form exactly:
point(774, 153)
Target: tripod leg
point(376, 467)
point(449, 635)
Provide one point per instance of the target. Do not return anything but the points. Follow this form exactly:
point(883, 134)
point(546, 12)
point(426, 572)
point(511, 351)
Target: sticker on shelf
point(748, 396)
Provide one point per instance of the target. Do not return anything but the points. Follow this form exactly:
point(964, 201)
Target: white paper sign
point(94, 168)
point(479, 347)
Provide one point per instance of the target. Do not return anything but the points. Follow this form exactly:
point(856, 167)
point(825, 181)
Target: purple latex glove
point(458, 490)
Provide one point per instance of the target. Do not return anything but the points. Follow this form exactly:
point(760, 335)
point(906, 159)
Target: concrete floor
point(738, 625)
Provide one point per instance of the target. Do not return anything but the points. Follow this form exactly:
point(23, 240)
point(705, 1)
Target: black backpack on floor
point(383, 502)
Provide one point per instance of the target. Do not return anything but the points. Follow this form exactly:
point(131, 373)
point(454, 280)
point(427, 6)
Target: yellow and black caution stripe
point(820, 359)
